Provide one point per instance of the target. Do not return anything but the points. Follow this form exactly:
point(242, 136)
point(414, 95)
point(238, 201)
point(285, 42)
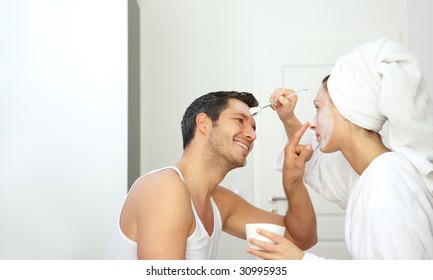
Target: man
point(178, 212)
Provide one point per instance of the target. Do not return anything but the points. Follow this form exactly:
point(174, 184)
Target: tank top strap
point(177, 171)
point(168, 167)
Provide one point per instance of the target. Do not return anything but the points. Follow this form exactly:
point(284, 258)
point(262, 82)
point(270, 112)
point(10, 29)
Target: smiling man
point(179, 211)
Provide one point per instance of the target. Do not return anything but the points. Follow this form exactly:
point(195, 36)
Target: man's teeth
point(242, 145)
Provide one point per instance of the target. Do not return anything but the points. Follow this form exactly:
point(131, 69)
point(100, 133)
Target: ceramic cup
point(251, 231)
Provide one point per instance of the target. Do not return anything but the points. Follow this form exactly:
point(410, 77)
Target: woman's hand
point(285, 106)
point(284, 103)
point(295, 157)
point(283, 249)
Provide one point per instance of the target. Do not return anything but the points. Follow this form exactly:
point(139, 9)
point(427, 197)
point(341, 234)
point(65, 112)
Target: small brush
point(255, 110)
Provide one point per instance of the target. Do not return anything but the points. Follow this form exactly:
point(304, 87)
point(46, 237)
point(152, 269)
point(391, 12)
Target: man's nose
point(251, 134)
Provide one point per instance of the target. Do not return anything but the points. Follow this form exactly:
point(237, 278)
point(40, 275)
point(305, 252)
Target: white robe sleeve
point(330, 175)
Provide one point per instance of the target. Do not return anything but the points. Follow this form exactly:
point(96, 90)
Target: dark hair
point(212, 104)
point(325, 82)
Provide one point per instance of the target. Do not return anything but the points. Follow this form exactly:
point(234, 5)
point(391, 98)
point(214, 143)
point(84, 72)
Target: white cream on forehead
point(239, 105)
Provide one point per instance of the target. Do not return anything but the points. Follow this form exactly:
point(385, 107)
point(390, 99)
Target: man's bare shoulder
point(222, 194)
point(153, 199)
point(159, 186)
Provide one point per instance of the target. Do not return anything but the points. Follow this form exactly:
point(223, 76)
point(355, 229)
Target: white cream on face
point(324, 119)
point(325, 126)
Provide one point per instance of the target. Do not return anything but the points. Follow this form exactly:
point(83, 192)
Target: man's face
point(233, 135)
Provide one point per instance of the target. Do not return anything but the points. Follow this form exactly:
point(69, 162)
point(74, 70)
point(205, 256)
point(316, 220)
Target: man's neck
point(200, 177)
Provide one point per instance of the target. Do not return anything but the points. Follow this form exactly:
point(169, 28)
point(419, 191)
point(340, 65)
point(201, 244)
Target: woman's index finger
point(298, 135)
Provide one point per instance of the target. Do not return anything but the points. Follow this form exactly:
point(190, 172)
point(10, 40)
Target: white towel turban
point(382, 82)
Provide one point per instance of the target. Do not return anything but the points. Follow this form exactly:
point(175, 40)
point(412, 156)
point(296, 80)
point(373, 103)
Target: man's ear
point(203, 123)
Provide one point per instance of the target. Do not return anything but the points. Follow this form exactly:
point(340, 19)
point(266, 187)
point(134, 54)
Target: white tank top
point(200, 246)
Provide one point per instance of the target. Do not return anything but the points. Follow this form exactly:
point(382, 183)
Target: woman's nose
point(313, 124)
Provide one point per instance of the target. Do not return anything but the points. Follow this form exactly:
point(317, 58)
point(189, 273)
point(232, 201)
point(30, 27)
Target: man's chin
point(242, 164)
point(239, 164)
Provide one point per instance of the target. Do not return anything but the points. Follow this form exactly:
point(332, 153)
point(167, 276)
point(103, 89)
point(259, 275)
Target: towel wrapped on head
point(381, 82)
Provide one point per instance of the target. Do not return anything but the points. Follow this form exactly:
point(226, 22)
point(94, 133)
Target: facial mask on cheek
point(326, 126)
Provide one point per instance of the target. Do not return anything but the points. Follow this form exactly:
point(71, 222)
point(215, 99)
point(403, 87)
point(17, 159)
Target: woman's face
point(327, 122)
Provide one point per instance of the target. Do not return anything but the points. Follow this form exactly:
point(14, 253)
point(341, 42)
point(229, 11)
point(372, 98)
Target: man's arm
point(236, 212)
point(163, 217)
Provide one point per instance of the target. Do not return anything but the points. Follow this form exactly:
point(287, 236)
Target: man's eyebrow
point(244, 115)
point(247, 116)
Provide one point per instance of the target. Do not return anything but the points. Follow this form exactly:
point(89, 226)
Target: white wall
point(63, 126)
point(420, 35)
point(191, 47)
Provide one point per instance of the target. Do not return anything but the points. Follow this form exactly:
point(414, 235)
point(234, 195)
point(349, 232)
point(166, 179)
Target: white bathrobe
point(389, 211)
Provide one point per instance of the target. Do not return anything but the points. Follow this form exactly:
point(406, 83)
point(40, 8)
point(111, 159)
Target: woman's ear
point(203, 123)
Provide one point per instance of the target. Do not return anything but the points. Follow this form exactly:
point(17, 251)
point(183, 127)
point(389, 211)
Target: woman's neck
point(362, 150)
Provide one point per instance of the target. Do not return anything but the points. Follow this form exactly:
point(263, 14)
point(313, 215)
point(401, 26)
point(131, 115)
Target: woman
point(387, 190)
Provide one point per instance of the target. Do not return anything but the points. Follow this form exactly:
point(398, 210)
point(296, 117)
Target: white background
point(63, 126)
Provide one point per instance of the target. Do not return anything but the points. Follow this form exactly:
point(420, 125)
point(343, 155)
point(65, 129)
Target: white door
point(296, 63)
